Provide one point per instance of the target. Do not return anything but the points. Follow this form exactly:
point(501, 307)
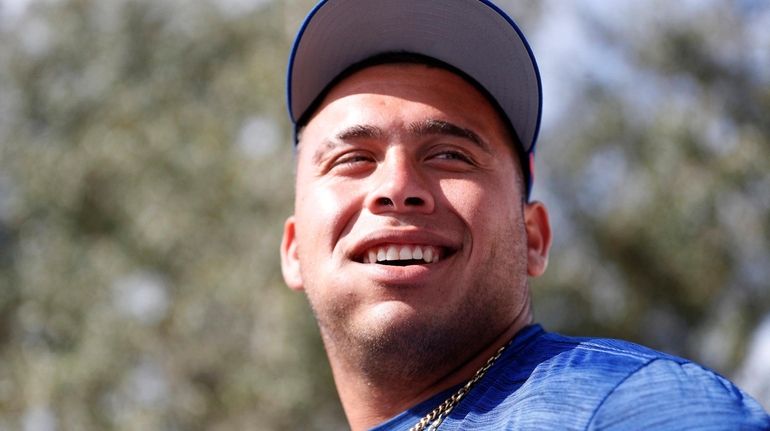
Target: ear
point(538, 237)
point(289, 260)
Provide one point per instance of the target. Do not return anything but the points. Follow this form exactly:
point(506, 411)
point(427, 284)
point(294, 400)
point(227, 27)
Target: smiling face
point(410, 235)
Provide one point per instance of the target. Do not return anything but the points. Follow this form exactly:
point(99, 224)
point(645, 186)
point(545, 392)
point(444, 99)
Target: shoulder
point(635, 387)
point(552, 381)
point(592, 348)
point(606, 362)
point(668, 394)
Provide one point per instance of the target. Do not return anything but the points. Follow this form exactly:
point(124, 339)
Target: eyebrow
point(418, 129)
point(358, 131)
point(441, 127)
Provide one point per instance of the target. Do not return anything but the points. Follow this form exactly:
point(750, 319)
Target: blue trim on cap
point(534, 64)
point(531, 152)
point(292, 54)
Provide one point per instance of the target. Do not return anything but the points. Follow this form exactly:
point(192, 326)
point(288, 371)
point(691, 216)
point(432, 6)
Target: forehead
point(364, 96)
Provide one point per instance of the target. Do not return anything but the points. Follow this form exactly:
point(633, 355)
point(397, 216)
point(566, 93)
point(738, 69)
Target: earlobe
point(290, 265)
point(538, 230)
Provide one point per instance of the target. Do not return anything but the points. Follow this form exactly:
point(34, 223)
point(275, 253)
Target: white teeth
point(428, 254)
point(405, 253)
point(417, 253)
point(382, 255)
point(392, 253)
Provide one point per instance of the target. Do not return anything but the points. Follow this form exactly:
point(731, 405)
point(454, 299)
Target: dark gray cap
point(474, 36)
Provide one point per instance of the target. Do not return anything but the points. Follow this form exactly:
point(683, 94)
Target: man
point(413, 236)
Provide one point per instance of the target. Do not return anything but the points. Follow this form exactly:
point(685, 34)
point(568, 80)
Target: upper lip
point(411, 236)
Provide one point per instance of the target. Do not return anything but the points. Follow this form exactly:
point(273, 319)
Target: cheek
point(480, 205)
point(323, 214)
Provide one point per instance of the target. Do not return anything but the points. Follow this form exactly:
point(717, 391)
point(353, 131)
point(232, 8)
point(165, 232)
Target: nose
point(399, 187)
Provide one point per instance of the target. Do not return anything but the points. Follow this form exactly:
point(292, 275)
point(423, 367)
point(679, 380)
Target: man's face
point(409, 219)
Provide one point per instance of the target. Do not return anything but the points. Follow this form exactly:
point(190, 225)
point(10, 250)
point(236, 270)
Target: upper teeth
point(383, 253)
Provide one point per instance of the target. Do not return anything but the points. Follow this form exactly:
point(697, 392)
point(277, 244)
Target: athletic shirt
point(546, 381)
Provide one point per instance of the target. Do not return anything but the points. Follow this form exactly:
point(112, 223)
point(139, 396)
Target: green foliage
point(662, 180)
point(147, 174)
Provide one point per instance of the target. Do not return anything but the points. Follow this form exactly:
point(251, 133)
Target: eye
point(452, 155)
point(352, 162)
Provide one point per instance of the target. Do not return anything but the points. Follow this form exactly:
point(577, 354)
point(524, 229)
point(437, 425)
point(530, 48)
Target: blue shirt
point(546, 381)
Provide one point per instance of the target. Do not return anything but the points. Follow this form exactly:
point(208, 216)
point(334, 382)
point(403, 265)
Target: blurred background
point(146, 170)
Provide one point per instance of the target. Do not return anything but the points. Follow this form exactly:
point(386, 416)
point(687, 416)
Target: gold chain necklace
point(432, 420)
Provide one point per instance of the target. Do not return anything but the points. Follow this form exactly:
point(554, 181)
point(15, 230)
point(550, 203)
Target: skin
point(407, 154)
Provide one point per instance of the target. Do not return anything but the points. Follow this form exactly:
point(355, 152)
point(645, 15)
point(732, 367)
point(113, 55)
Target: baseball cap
point(473, 36)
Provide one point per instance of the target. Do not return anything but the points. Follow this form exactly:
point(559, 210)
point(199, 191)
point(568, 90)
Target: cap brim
point(473, 36)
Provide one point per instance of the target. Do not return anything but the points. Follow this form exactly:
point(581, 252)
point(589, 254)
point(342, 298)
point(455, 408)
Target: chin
point(398, 329)
point(385, 319)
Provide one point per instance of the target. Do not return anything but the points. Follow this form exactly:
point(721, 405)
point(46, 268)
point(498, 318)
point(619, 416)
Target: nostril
point(385, 202)
point(414, 201)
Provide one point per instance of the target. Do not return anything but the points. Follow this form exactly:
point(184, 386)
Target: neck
point(370, 398)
